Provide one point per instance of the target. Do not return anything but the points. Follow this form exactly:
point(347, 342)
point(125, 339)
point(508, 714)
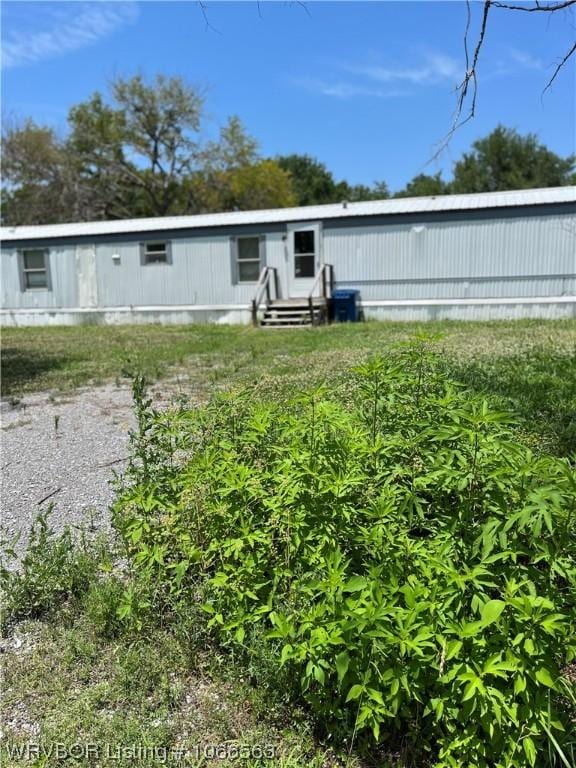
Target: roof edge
point(390, 206)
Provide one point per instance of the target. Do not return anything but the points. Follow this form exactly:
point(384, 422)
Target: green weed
point(388, 547)
point(53, 569)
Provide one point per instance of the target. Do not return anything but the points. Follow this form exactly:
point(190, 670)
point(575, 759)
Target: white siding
point(200, 273)
point(532, 256)
point(63, 278)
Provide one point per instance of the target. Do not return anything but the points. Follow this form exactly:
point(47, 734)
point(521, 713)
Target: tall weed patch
point(52, 570)
point(540, 386)
point(403, 559)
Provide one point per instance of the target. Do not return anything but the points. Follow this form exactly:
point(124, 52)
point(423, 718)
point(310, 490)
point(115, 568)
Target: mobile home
point(481, 256)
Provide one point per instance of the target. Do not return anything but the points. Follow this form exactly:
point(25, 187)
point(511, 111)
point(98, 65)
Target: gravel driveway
point(62, 450)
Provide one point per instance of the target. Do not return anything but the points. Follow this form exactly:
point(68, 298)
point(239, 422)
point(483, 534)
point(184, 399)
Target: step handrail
point(263, 286)
point(325, 277)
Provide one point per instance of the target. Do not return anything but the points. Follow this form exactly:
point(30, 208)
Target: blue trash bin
point(345, 305)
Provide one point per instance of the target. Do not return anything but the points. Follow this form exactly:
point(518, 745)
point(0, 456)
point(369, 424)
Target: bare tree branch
point(467, 90)
point(559, 67)
point(469, 84)
point(204, 8)
point(548, 8)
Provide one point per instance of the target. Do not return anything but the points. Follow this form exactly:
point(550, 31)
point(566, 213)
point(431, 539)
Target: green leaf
point(287, 651)
point(355, 584)
point(529, 646)
point(495, 666)
point(553, 622)
point(319, 674)
point(342, 664)
point(519, 684)
point(543, 676)
point(355, 692)
point(529, 749)
point(376, 696)
point(470, 690)
point(492, 610)
point(472, 628)
point(453, 649)
point(136, 535)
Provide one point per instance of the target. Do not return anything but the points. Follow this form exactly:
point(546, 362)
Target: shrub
point(412, 566)
point(102, 604)
point(52, 569)
point(541, 388)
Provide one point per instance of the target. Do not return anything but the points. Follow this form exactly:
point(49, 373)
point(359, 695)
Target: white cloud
point(369, 80)
point(345, 90)
point(525, 59)
point(48, 31)
point(435, 69)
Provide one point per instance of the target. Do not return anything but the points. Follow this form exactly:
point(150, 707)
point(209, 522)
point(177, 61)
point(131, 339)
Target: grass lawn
point(531, 365)
point(156, 692)
point(35, 359)
point(86, 683)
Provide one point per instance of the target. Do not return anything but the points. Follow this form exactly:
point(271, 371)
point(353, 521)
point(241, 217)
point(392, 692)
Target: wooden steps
point(294, 313)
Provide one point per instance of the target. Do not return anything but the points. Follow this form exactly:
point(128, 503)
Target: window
point(34, 269)
point(156, 253)
point(248, 259)
point(304, 254)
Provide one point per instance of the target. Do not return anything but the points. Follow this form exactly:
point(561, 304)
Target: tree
point(95, 149)
point(137, 153)
point(260, 185)
point(424, 185)
point(356, 193)
point(146, 139)
point(35, 175)
point(506, 160)
point(235, 178)
point(313, 183)
point(234, 149)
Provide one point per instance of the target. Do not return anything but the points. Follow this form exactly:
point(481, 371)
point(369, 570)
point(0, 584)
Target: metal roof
point(484, 200)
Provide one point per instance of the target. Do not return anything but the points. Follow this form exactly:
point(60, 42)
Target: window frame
point(236, 260)
point(155, 263)
point(307, 254)
point(23, 270)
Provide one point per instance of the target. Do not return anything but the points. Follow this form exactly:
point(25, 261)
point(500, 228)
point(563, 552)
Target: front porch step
point(294, 313)
point(286, 321)
point(293, 303)
point(291, 313)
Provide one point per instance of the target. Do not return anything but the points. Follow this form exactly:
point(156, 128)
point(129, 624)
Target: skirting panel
point(423, 312)
point(549, 308)
point(135, 316)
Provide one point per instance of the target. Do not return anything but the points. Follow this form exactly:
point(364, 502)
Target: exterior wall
point(552, 308)
point(64, 293)
point(127, 315)
point(490, 258)
point(90, 286)
point(498, 264)
point(200, 274)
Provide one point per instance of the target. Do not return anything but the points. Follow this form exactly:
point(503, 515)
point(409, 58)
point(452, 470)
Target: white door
point(304, 256)
point(86, 274)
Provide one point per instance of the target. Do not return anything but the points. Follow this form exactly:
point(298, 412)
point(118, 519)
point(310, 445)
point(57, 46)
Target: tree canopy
point(502, 160)
point(506, 160)
point(137, 152)
point(314, 184)
point(140, 151)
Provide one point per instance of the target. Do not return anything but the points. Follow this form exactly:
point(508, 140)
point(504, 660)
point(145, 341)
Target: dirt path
point(62, 450)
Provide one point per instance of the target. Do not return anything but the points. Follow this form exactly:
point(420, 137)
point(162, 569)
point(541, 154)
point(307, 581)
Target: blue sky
point(366, 87)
